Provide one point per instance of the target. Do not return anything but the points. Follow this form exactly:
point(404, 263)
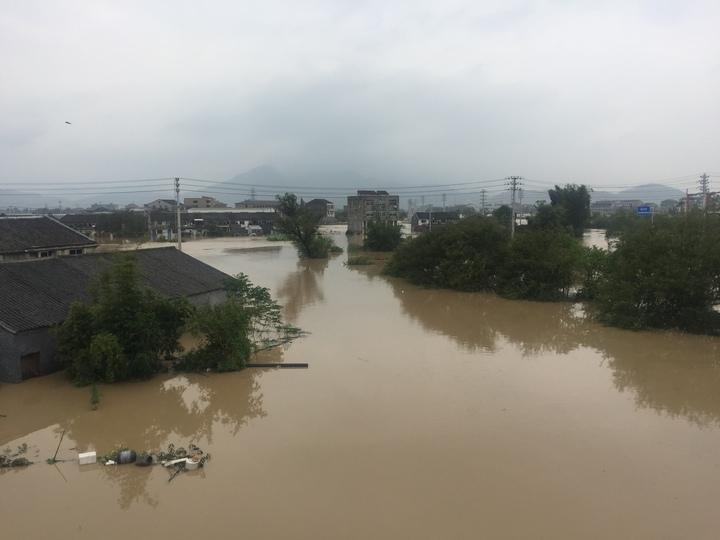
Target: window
point(44, 254)
point(76, 251)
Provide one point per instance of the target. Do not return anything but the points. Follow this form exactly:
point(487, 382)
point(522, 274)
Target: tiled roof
point(38, 293)
point(21, 234)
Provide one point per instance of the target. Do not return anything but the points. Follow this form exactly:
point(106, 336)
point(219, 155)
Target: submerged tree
point(301, 225)
point(542, 265)
point(123, 332)
point(467, 255)
point(383, 236)
point(575, 203)
point(664, 275)
point(248, 321)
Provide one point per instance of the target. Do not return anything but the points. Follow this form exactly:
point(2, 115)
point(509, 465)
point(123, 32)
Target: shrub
point(665, 275)
point(467, 255)
point(541, 266)
point(383, 236)
point(123, 332)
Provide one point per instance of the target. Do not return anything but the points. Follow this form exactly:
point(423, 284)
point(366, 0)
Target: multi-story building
point(203, 202)
point(257, 203)
point(323, 208)
point(369, 205)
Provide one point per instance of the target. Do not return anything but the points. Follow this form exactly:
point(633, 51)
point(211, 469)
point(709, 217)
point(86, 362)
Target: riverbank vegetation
point(301, 225)
point(125, 331)
point(664, 274)
point(382, 236)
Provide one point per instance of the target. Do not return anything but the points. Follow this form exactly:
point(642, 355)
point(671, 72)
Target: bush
point(123, 332)
point(359, 260)
point(383, 236)
point(223, 330)
point(665, 275)
point(467, 256)
point(542, 265)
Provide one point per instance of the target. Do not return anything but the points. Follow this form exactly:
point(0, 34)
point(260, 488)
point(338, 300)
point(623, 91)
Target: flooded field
point(423, 414)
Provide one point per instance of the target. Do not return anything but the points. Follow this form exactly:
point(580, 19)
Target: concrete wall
point(14, 346)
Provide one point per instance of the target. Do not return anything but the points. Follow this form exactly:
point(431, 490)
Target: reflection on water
point(669, 372)
point(302, 287)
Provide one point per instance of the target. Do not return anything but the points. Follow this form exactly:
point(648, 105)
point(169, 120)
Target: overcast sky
point(398, 91)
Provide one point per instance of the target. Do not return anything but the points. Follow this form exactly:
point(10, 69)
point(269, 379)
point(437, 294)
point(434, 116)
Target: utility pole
point(483, 193)
point(514, 183)
point(704, 188)
point(177, 206)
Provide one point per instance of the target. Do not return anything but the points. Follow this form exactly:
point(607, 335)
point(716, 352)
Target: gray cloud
point(394, 91)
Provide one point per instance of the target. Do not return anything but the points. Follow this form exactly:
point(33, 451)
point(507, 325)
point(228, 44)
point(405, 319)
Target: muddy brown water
point(424, 414)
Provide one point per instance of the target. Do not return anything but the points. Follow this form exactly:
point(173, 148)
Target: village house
point(164, 205)
point(203, 202)
point(36, 295)
point(423, 221)
point(323, 208)
point(258, 204)
point(39, 237)
point(369, 205)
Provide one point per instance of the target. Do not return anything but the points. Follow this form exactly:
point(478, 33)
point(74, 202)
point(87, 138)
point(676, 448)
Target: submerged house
point(36, 295)
point(39, 237)
point(423, 221)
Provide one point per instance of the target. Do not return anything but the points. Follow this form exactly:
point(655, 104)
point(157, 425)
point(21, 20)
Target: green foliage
point(383, 236)
point(593, 268)
point(224, 332)
point(359, 260)
point(467, 255)
point(503, 214)
point(123, 332)
point(665, 275)
point(616, 223)
point(278, 237)
point(301, 224)
point(541, 265)
point(548, 217)
point(575, 202)
point(249, 320)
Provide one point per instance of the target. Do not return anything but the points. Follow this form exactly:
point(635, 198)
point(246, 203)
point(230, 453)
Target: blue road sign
point(644, 210)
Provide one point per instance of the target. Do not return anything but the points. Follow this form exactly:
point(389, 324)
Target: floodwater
point(424, 414)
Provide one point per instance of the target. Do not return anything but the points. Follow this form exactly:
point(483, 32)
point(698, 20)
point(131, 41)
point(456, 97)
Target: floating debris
point(10, 459)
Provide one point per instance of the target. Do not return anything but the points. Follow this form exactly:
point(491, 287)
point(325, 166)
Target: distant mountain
point(646, 193)
point(28, 199)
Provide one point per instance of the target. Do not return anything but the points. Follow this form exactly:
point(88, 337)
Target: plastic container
point(87, 458)
point(127, 456)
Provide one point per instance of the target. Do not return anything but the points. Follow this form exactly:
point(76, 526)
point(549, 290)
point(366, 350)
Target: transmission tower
point(704, 184)
point(514, 183)
point(483, 193)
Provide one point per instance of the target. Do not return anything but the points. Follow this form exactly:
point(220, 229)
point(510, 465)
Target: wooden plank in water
point(296, 365)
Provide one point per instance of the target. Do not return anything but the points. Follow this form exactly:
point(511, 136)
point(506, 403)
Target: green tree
point(548, 217)
point(665, 275)
point(301, 225)
point(467, 255)
point(249, 320)
point(575, 201)
point(383, 236)
point(123, 332)
point(503, 214)
point(542, 265)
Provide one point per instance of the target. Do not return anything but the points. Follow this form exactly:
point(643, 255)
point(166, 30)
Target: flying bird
point(68, 123)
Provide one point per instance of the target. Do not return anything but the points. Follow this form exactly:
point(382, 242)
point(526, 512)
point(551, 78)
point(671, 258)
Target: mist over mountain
point(267, 181)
